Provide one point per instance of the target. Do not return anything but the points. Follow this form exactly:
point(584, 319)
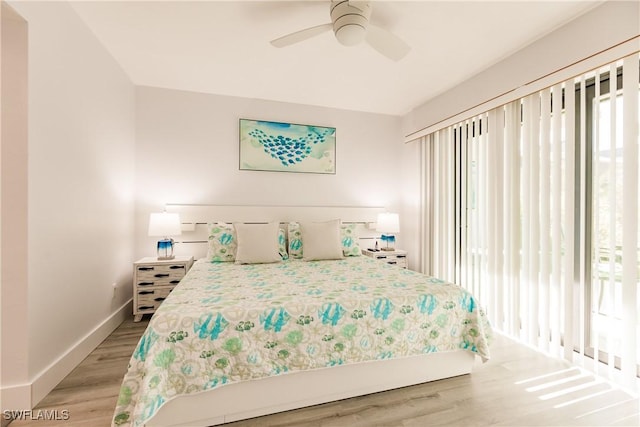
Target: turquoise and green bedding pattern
point(226, 323)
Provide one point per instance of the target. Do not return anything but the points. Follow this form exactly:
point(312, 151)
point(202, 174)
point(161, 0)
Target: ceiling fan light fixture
point(351, 34)
point(349, 22)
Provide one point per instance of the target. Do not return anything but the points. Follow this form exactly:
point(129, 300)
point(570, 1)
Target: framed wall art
point(287, 147)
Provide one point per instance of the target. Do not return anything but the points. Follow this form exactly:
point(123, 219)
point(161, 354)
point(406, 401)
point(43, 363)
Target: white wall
point(14, 368)
point(187, 152)
point(410, 211)
point(81, 179)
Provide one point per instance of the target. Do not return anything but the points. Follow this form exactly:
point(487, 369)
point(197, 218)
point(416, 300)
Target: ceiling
point(222, 47)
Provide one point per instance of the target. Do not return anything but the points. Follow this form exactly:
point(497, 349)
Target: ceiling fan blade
point(387, 43)
point(301, 35)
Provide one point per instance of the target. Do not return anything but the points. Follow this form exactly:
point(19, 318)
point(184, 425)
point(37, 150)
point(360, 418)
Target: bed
point(234, 341)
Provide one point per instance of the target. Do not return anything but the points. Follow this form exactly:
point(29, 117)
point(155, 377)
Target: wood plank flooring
point(517, 387)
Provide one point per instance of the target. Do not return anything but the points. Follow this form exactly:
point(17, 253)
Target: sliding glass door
point(533, 207)
point(605, 112)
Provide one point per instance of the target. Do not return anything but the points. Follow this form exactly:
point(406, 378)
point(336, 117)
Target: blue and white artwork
point(287, 147)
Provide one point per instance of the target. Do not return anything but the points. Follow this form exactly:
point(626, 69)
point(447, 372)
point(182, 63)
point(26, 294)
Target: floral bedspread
point(226, 323)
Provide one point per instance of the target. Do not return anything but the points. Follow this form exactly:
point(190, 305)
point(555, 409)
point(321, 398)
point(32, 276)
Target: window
point(605, 332)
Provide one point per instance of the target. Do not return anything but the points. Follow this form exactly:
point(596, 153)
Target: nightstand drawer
point(396, 257)
point(399, 260)
point(160, 275)
point(152, 297)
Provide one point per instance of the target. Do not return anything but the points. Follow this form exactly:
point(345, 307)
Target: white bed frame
point(295, 390)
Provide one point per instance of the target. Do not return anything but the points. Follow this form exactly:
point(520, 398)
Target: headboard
point(194, 218)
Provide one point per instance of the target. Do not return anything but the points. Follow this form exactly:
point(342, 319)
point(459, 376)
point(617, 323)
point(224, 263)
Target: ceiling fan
point(351, 26)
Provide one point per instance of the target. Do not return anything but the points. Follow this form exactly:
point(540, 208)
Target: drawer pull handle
point(145, 307)
point(145, 284)
point(175, 267)
point(145, 268)
point(161, 275)
point(146, 292)
point(401, 256)
point(392, 262)
point(175, 282)
point(159, 299)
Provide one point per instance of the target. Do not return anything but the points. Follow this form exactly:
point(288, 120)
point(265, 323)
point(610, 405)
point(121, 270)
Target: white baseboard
point(51, 376)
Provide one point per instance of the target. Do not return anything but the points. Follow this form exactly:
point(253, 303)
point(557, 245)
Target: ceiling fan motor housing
point(350, 20)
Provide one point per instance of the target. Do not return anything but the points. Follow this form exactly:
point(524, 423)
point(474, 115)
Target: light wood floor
point(517, 387)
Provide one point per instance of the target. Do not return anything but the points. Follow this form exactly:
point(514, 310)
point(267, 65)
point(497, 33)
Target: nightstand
point(396, 257)
point(153, 279)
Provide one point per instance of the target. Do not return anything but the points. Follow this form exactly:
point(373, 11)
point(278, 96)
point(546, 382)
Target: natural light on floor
point(580, 389)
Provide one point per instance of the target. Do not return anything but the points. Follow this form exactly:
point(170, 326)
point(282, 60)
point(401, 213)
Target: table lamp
point(165, 224)
point(387, 224)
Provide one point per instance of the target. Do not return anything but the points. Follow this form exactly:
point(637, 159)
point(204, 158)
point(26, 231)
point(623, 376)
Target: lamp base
point(389, 238)
point(165, 249)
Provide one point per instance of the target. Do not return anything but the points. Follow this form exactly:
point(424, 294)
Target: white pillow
point(321, 240)
point(257, 243)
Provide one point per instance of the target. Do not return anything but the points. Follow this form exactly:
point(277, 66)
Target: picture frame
point(287, 147)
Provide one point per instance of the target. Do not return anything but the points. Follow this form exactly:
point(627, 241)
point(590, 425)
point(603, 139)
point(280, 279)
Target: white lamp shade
point(388, 223)
point(164, 224)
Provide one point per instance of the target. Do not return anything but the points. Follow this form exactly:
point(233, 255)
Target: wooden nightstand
point(153, 280)
point(396, 257)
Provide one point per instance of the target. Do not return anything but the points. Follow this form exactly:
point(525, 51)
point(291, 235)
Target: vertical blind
point(533, 207)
